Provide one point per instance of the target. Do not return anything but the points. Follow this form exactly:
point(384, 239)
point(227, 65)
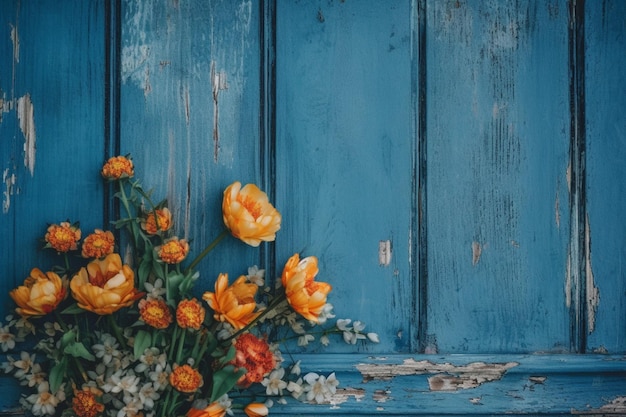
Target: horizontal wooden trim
point(463, 385)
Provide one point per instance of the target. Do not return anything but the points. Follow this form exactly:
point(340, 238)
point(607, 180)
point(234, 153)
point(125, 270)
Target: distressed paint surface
point(411, 151)
point(51, 131)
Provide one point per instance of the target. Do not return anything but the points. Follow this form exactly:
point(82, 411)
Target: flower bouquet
point(106, 335)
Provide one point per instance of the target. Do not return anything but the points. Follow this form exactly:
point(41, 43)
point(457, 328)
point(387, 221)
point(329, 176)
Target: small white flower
point(342, 324)
point(44, 403)
point(24, 364)
point(148, 395)
point(326, 313)
point(373, 337)
point(320, 388)
point(295, 369)
point(256, 275)
point(305, 339)
point(274, 384)
point(295, 388)
point(325, 340)
point(7, 339)
point(107, 348)
point(156, 290)
point(358, 326)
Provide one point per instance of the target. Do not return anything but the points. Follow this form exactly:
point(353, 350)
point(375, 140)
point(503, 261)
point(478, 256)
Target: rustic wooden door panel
point(189, 113)
point(497, 156)
point(345, 157)
point(52, 116)
point(605, 93)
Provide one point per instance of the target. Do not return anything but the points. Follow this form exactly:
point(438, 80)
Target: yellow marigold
point(118, 167)
point(256, 410)
point(173, 251)
point(249, 215)
point(235, 304)
point(305, 295)
point(155, 313)
point(212, 410)
point(185, 379)
point(164, 217)
point(98, 244)
point(40, 294)
point(62, 237)
point(105, 285)
point(85, 404)
point(190, 314)
point(254, 355)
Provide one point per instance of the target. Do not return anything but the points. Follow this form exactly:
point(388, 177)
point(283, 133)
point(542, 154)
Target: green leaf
point(78, 350)
point(57, 373)
point(68, 338)
point(224, 380)
point(143, 340)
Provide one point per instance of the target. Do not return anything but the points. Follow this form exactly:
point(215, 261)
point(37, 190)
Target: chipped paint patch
point(9, 182)
point(384, 252)
point(342, 395)
point(592, 292)
point(218, 83)
point(445, 376)
point(616, 407)
point(26, 116)
point(15, 39)
point(477, 250)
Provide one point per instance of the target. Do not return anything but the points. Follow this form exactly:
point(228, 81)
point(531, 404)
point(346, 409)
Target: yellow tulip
point(105, 285)
point(305, 295)
point(249, 215)
point(40, 294)
point(256, 410)
point(235, 304)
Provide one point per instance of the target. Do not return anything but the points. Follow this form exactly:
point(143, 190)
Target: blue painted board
point(52, 82)
point(497, 155)
point(189, 114)
point(345, 155)
point(605, 92)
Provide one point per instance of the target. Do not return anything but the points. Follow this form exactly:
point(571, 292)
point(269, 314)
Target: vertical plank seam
point(578, 241)
point(420, 248)
point(267, 117)
point(112, 103)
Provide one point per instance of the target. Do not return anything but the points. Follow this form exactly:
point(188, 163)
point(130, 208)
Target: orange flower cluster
point(235, 304)
point(185, 379)
point(118, 167)
point(163, 217)
point(305, 295)
point(173, 251)
point(254, 355)
point(63, 237)
point(40, 294)
point(190, 314)
point(155, 313)
point(98, 244)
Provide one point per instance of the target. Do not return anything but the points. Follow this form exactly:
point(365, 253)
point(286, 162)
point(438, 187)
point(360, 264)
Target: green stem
point(181, 344)
point(206, 250)
point(116, 330)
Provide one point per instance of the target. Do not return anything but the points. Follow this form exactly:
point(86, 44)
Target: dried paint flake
point(26, 116)
point(445, 376)
point(9, 182)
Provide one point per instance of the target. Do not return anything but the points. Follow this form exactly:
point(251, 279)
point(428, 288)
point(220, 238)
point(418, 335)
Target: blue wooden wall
point(456, 165)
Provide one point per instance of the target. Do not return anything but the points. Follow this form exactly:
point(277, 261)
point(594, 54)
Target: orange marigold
point(118, 167)
point(63, 237)
point(185, 379)
point(173, 251)
point(254, 355)
point(155, 313)
point(85, 404)
point(164, 218)
point(98, 244)
point(190, 314)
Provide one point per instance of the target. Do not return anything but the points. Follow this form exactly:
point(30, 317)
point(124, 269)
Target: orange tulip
point(213, 410)
point(105, 285)
point(305, 295)
point(249, 215)
point(40, 294)
point(235, 304)
point(256, 410)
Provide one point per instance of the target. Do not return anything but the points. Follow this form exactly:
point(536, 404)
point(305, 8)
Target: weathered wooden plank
point(51, 131)
point(190, 113)
point(605, 96)
point(344, 151)
point(497, 160)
